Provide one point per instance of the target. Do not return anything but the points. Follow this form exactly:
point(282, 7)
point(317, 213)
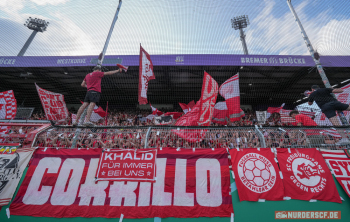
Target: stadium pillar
point(315, 56)
point(244, 44)
point(26, 45)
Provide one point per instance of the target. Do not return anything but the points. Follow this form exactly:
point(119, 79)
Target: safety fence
point(192, 137)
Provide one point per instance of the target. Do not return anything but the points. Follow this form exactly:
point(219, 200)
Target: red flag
point(53, 104)
point(155, 111)
point(220, 113)
point(230, 91)
point(125, 68)
point(256, 174)
point(339, 162)
point(145, 74)
point(191, 104)
point(306, 175)
point(184, 107)
point(207, 100)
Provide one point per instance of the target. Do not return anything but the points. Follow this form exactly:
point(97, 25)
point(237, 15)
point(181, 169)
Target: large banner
point(12, 166)
point(339, 162)
point(53, 104)
point(256, 174)
point(8, 109)
point(145, 75)
point(127, 165)
point(189, 183)
point(306, 175)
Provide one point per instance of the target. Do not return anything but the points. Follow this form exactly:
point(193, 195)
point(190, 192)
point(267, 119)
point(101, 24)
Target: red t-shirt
point(93, 81)
point(305, 120)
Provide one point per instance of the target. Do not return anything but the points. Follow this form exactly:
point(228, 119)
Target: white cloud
point(49, 2)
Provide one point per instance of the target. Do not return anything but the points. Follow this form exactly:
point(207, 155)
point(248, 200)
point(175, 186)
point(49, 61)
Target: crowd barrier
point(192, 137)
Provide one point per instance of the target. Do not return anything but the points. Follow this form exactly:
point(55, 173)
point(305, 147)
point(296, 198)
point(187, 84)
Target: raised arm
point(337, 90)
point(112, 72)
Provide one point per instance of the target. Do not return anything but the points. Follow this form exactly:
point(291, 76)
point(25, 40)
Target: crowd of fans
point(158, 137)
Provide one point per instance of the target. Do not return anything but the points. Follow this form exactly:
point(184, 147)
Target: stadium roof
point(263, 79)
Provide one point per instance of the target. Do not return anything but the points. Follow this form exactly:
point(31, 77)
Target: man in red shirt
point(301, 119)
point(92, 82)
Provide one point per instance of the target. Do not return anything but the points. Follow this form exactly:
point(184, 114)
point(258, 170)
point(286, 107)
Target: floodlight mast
point(241, 22)
point(37, 25)
point(315, 56)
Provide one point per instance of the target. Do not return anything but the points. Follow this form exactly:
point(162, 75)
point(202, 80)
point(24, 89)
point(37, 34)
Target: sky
point(80, 27)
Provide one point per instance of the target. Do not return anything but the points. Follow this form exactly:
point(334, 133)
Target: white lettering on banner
point(144, 194)
point(161, 198)
point(120, 190)
point(273, 60)
point(214, 197)
point(7, 61)
point(346, 184)
point(72, 169)
point(70, 61)
point(181, 198)
point(90, 189)
point(65, 191)
point(34, 195)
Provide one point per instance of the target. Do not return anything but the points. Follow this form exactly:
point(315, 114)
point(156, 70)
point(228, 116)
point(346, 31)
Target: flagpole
point(106, 119)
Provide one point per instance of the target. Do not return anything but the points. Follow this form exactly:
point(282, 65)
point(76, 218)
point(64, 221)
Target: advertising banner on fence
point(189, 183)
point(256, 174)
point(306, 175)
point(127, 165)
point(12, 166)
point(339, 162)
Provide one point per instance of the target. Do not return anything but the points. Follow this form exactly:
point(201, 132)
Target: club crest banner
point(256, 174)
point(12, 166)
point(306, 175)
point(127, 165)
point(339, 162)
point(189, 183)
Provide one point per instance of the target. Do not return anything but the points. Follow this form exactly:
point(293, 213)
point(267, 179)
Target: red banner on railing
point(127, 165)
point(190, 183)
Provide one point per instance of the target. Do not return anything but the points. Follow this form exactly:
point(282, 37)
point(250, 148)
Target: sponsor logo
point(272, 60)
point(308, 175)
point(7, 61)
point(256, 172)
point(307, 215)
point(179, 59)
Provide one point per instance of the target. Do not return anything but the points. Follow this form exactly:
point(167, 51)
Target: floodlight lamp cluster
point(36, 24)
point(240, 22)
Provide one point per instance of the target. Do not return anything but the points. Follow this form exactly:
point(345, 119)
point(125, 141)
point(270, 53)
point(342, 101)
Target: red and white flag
point(8, 108)
point(285, 118)
point(96, 115)
point(220, 113)
point(187, 107)
point(184, 107)
point(306, 175)
point(207, 100)
point(339, 163)
point(155, 111)
point(145, 75)
point(331, 132)
point(256, 174)
point(230, 91)
point(53, 104)
point(125, 68)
